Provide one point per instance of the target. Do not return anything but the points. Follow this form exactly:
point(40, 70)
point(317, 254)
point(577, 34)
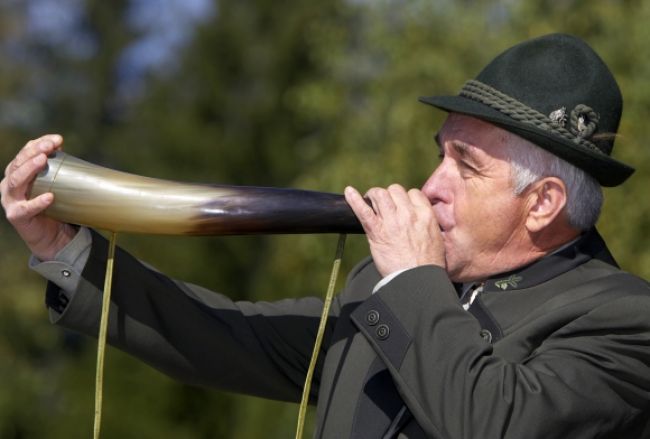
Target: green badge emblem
point(512, 281)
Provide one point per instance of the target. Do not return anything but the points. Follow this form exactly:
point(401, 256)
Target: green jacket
point(557, 349)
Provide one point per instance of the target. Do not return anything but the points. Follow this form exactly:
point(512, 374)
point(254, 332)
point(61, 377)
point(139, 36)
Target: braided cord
point(483, 93)
point(101, 338)
point(103, 326)
point(319, 336)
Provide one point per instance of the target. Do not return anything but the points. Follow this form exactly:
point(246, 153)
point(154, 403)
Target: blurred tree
point(312, 95)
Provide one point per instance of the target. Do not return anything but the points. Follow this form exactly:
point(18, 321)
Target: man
point(490, 308)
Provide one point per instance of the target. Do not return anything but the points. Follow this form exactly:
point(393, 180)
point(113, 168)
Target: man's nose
point(436, 188)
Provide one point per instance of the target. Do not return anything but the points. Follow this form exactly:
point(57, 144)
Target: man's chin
point(453, 268)
point(454, 276)
point(456, 272)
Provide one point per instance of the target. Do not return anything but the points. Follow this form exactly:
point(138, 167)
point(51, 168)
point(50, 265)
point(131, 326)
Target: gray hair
point(530, 163)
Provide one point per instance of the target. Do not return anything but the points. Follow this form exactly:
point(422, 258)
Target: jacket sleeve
point(192, 334)
point(590, 377)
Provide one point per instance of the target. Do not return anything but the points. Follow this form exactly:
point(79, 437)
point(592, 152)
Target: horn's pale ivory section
point(103, 198)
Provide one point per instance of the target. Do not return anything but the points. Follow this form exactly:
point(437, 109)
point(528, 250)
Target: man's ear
point(546, 200)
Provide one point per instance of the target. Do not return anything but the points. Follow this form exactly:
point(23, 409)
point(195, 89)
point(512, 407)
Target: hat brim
point(606, 170)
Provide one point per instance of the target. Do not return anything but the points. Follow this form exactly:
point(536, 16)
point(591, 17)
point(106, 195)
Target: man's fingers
point(399, 196)
point(402, 229)
point(357, 202)
point(24, 211)
point(43, 145)
point(359, 206)
point(19, 175)
point(382, 201)
point(418, 198)
point(19, 179)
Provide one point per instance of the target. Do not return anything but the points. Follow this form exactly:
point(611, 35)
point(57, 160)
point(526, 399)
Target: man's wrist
point(65, 234)
point(387, 279)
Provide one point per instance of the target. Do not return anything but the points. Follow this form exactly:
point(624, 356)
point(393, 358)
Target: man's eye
point(467, 166)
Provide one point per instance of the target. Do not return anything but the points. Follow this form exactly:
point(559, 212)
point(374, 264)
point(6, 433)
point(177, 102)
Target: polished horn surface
point(103, 198)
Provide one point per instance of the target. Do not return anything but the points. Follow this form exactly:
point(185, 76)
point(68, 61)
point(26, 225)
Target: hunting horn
point(103, 198)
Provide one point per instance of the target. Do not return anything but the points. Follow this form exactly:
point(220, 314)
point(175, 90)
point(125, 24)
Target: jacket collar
point(589, 245)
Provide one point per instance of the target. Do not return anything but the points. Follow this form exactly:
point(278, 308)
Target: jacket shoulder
point(604, 277)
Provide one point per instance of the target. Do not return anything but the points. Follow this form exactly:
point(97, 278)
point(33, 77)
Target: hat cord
point(584, 120)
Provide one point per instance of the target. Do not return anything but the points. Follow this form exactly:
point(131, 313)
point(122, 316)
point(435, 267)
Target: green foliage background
point(314, 95)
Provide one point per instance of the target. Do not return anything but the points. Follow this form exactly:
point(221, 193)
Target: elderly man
point(490, 307)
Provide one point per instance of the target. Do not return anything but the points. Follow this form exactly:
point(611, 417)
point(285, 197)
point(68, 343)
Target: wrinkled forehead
point(474, 136)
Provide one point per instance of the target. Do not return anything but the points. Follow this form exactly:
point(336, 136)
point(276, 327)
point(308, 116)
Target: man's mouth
point(443, 222)
point(444, 226)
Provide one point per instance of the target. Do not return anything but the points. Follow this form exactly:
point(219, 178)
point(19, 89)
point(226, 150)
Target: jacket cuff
point(75, 277)
point(390, 317)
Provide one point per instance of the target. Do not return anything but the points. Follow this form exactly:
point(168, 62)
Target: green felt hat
point(556, 92)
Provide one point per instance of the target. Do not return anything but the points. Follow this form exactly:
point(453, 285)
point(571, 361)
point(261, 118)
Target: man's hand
point(44, 236)
point(401, 228)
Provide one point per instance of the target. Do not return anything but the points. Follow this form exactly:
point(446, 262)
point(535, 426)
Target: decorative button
point(66, 273)
point(486, 335)
point(372, 318)
point(383, 332)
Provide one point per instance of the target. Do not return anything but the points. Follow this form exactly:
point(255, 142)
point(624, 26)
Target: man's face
point(481, 219)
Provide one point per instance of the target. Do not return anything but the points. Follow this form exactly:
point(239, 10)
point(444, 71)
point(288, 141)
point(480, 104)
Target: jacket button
point(372, 318)
point(486, 335)
point(383, 332)
point(66, 273)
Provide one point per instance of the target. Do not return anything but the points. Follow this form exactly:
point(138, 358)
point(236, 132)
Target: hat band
point(583, 119)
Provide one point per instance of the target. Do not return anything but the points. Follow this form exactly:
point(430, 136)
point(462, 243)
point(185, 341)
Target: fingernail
point(48, 197)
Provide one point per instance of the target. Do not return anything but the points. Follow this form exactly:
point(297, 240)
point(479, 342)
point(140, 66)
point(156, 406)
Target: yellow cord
point(319, 336)
point(103, 325)
point(101, 338)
